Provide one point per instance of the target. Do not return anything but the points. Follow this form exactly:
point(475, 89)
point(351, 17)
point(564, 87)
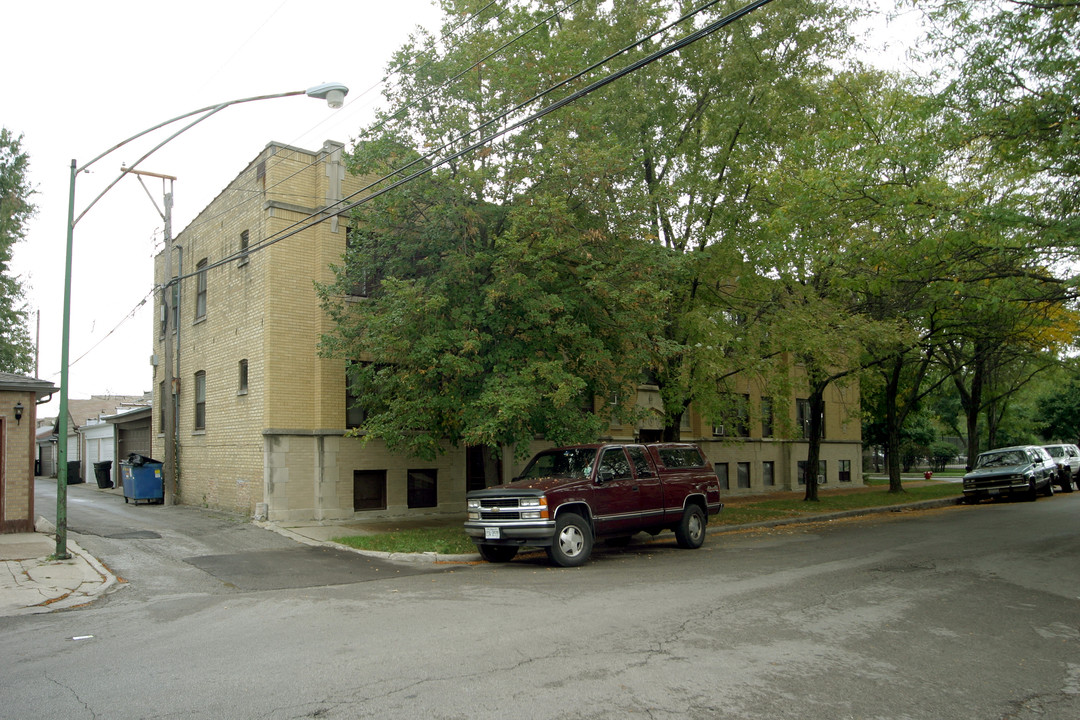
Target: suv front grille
point(508, 502)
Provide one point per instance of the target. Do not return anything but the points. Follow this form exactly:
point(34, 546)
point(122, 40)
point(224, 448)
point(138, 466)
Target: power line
point(257, 193)
point(328, 213)
point(443, 39)
point(107, 335)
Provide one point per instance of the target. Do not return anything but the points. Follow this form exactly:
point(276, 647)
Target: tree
point(702, 134)
point(519, 279)
point(489, 325)
point(1058, 412)
point(16, 348)
point(859, 228)
point(1013, 68)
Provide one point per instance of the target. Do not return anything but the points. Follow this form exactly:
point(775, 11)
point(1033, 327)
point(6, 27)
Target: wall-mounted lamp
point(18, 413)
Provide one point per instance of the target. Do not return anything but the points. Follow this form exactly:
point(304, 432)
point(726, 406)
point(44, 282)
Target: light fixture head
point(18, 413)
point(333, 93)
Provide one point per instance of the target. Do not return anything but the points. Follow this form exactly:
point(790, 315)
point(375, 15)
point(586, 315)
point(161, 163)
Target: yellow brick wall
point(264, 310)
point(17, 473)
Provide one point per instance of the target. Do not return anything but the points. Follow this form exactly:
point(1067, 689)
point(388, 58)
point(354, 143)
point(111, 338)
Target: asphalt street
point(175, 551)
point(964, 612)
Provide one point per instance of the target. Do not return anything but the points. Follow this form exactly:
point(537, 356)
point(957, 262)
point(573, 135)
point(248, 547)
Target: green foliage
point(485, 323)
point(940, 454)
point(1014, 69)
point(513, 284)
point(1058, 413)
point(16, 348)
point(755, 196)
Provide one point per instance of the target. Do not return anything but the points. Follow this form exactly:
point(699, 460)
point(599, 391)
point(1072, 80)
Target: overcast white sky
point(80, 77)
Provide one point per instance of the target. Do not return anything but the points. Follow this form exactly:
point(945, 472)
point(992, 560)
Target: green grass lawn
point(453, 540)
point(442, 540)
point(829, 503)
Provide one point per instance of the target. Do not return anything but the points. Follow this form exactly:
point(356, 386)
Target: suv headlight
point(533, 508)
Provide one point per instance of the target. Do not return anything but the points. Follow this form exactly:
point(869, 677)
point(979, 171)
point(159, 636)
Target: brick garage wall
point(17, 473)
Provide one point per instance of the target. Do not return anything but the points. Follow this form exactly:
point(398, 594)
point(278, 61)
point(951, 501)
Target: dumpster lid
point(137, 459)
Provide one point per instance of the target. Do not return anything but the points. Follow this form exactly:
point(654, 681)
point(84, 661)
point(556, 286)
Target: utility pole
point(169, 294)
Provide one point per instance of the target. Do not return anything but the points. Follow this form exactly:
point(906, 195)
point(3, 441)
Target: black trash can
point(74, 474)
point(102, 471)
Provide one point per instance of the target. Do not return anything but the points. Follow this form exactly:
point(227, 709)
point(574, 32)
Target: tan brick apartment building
point(262, 417)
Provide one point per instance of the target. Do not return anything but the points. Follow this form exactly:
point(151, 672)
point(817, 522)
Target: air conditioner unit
point(153, 361)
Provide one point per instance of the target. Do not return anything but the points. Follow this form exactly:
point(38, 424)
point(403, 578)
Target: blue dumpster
point(142, 481)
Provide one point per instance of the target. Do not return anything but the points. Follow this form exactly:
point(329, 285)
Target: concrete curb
point(41, 585)
point(426, 557)
point(431, 557)
point(825, 517)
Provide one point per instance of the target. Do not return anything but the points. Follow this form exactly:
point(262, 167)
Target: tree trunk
point(492, 465)
point(674, 409)
point(893, 423)
point(817, 413)
point(971, 401)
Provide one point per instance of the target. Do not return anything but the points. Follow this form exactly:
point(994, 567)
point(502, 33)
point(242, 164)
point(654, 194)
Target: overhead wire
point(687, 40)
point(350, 204)
point(107, 335)
point(256, 193)
point(443, 40)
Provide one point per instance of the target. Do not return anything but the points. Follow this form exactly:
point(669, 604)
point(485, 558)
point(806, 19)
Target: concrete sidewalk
point(32, 582)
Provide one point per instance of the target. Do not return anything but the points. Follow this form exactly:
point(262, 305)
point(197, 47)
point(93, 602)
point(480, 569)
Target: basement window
point(423, 488)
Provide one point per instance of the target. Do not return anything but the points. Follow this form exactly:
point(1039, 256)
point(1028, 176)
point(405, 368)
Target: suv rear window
point(681, 457)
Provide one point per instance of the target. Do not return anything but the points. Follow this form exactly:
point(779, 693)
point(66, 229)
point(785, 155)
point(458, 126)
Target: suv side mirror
point(605, 475)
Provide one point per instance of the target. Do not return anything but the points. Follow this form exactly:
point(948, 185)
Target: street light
point(333, 93)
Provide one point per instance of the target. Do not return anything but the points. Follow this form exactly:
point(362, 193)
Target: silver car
point(1067, 457)
point(1024, 470)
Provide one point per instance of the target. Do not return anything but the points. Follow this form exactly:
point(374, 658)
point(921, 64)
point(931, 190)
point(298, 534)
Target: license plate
point(491, 533)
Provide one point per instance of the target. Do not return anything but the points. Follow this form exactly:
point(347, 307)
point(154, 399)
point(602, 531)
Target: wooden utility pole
point(169, 295)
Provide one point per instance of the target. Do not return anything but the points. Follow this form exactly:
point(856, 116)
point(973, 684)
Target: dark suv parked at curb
point(1067, 457)
point(1024, 470)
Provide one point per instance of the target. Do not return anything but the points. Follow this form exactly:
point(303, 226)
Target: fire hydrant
point(928, 474)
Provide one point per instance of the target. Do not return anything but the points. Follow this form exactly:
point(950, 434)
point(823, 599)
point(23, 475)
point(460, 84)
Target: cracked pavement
point(964, 612)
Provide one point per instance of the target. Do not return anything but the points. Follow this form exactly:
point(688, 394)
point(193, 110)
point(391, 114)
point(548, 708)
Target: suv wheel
point(573, 541)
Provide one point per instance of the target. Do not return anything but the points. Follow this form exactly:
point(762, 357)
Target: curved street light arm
point(206, 113)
